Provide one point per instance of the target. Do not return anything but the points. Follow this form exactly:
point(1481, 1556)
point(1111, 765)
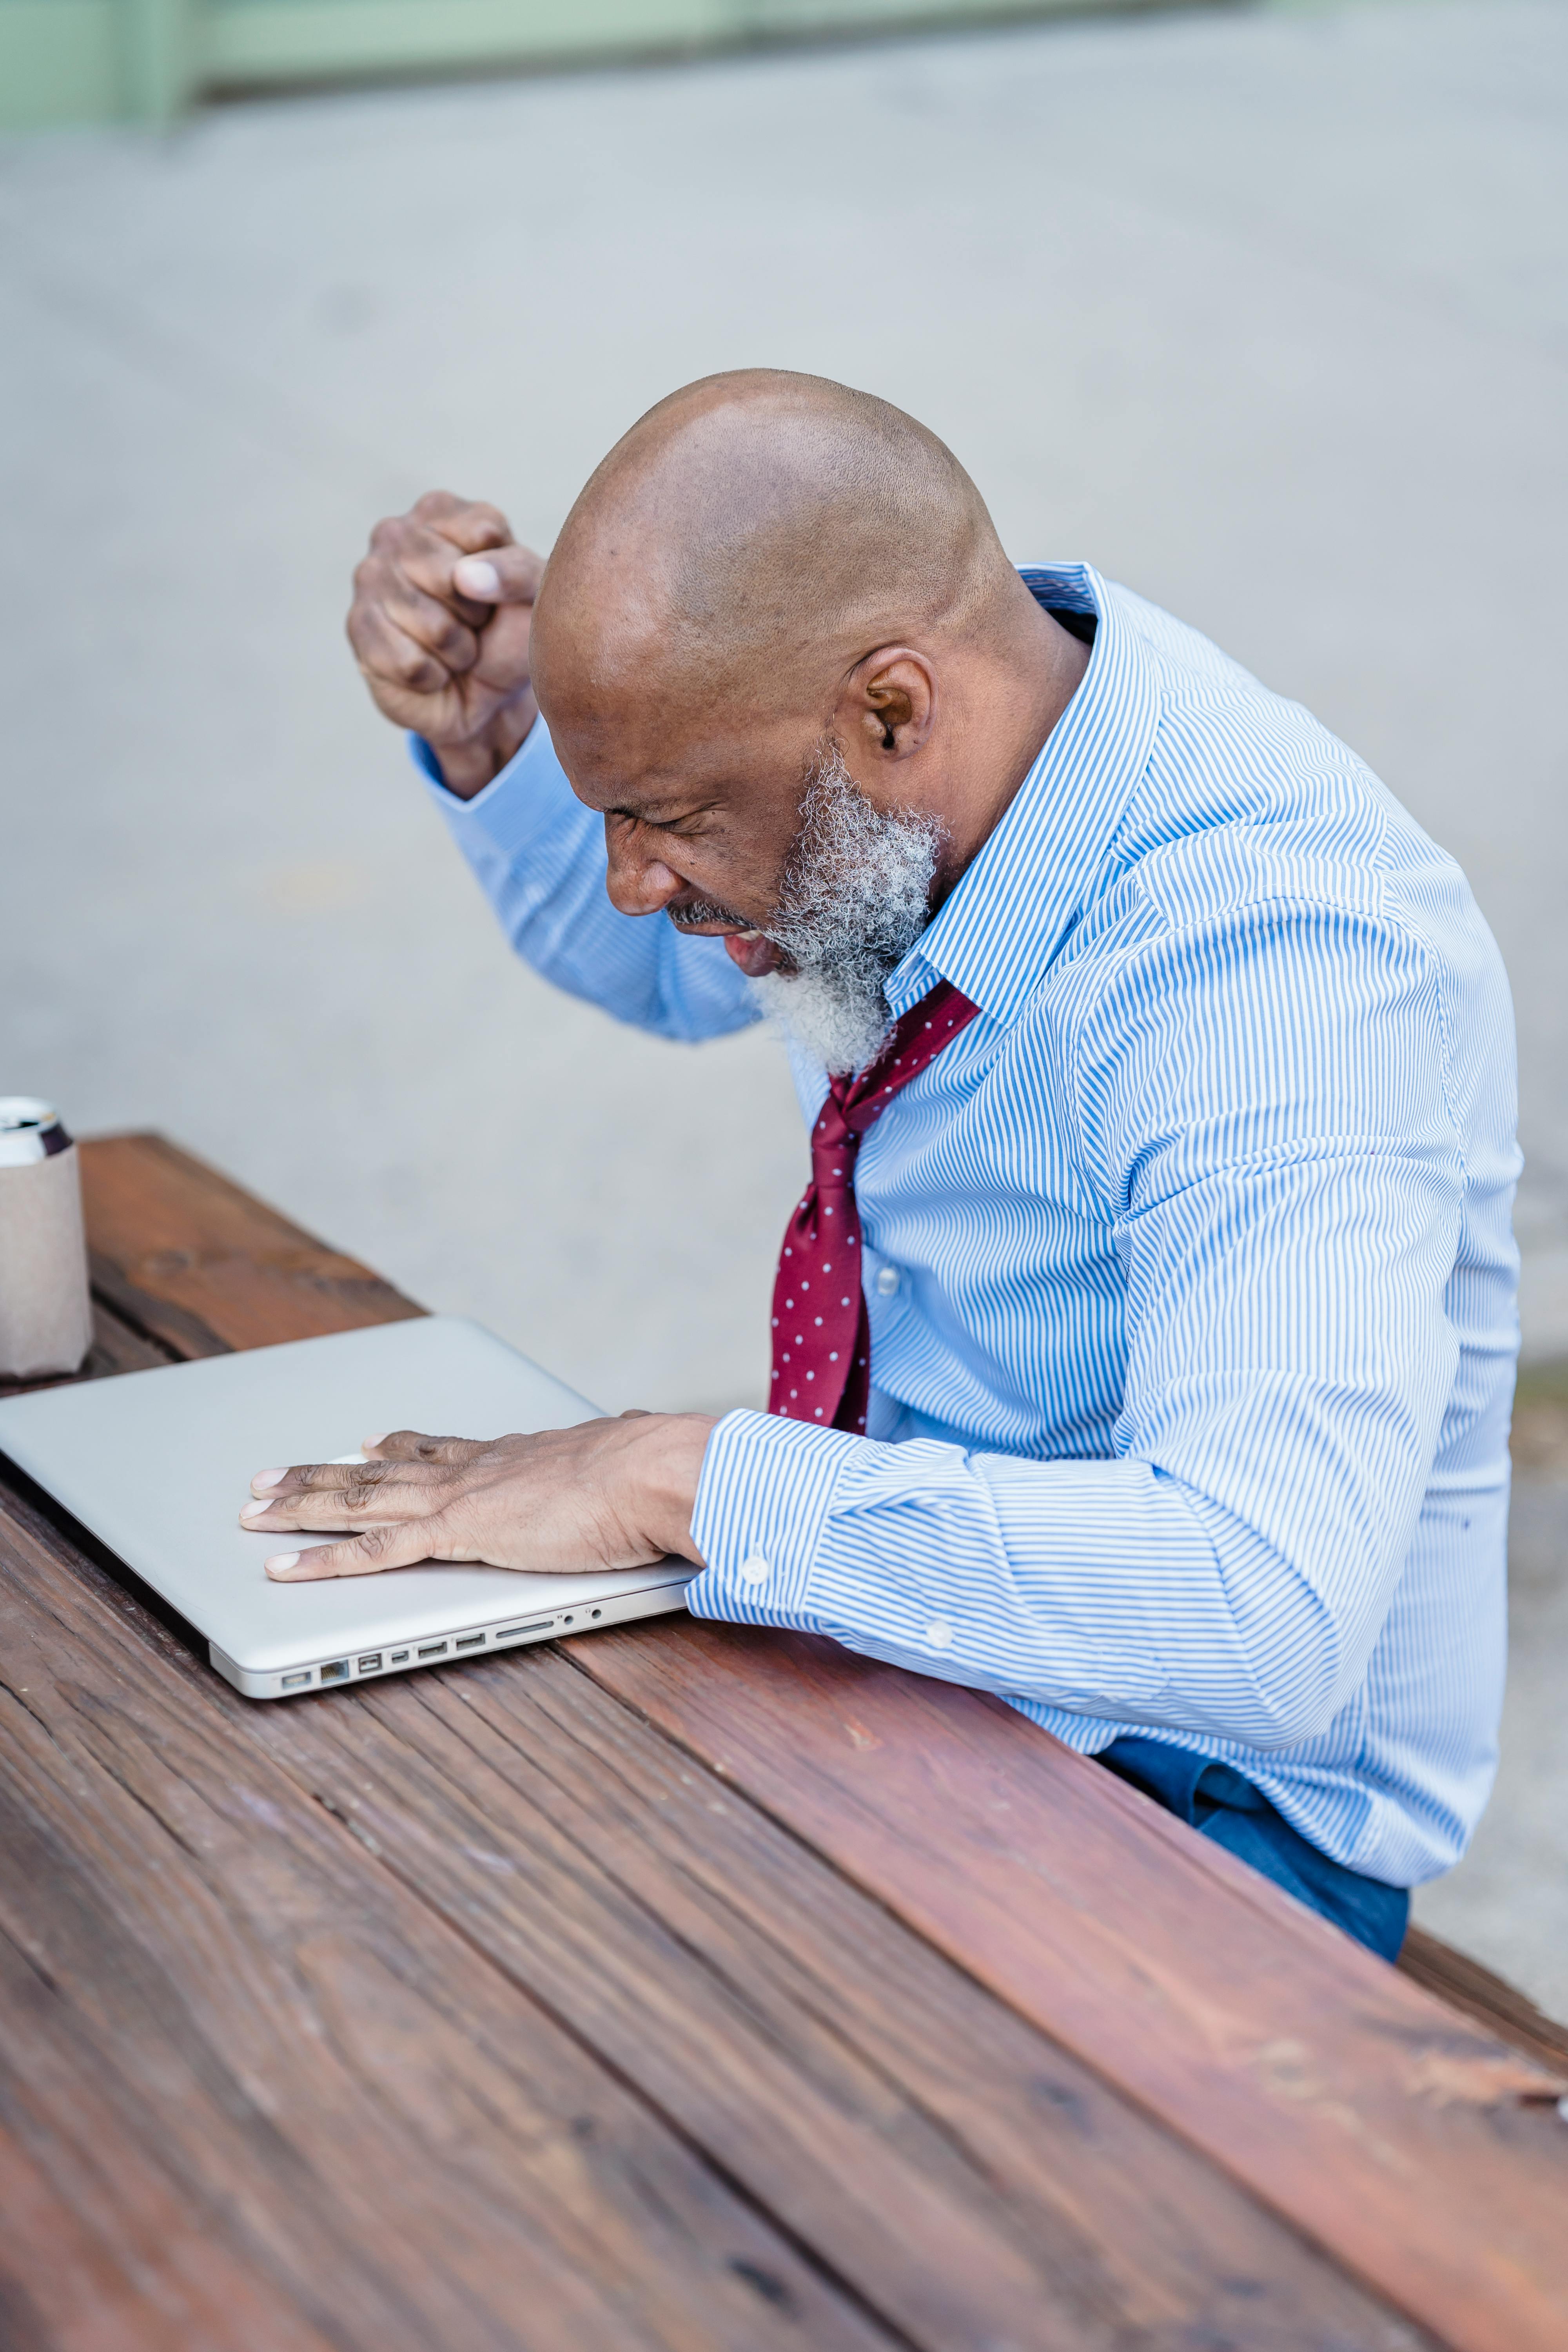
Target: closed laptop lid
point(157, 1465)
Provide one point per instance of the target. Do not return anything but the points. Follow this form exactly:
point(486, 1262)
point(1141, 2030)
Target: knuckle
point(419, 670)
point(369, 586)
point(360, 626)
point(451, 639)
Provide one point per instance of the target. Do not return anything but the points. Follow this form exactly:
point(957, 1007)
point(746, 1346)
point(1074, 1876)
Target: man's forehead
point(611, 777)
point(675, 763)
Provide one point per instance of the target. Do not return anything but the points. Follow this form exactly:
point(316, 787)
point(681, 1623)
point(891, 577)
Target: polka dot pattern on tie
point(830, 1357)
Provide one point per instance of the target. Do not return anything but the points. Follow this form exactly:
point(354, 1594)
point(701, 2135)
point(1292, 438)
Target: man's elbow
point(1296, 1696)
point(1288, 1722)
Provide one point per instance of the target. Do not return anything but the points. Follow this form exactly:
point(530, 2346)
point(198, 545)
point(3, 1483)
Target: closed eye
point(685, 822)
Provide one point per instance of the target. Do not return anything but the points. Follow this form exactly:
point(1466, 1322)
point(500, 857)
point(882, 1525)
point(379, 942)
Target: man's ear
point(889, 703)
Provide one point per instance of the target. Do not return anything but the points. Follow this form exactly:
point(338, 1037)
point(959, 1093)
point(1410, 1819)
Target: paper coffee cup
point(46, 1314)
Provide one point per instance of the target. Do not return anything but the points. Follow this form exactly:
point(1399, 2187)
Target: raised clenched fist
point(440, 625)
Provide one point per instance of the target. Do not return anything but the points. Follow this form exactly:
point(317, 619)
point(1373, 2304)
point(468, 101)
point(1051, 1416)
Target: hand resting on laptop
point(605, 1495)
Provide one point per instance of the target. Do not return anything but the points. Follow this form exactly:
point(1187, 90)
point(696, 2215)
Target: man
point(1143, 1346)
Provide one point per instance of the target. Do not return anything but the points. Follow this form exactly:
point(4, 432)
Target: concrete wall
point(147, 60)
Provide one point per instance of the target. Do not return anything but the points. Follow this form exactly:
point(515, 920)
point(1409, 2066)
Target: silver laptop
point(157, 1465)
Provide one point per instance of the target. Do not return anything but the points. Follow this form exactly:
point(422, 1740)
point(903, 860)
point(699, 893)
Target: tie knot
point(833, 1127)
point(833, 1162)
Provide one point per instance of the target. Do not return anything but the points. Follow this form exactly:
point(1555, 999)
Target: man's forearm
point(1096, 1587)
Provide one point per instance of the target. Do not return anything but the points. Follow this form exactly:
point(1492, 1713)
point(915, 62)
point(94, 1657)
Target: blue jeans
point(1219, 1804)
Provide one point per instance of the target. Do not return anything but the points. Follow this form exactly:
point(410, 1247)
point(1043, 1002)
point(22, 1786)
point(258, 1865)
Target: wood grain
point(254, 2093)
point(135, 1176)
point(1427, 2155)
point(971, 2181)
point(1464, 1984)
point(1393, 2134)
point(191, 1260)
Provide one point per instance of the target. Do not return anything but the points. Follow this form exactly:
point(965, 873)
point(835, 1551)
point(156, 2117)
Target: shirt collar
point(1027, 885)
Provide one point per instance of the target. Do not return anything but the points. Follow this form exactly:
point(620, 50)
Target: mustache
point(706, 911)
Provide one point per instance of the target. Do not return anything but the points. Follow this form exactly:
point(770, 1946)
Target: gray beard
point(856, 898)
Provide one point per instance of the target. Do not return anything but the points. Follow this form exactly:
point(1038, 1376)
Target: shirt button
point(938, 1633)
point(755, 1570)
point(886, 1280)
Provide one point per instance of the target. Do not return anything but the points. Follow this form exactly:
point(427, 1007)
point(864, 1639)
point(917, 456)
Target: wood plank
point(135, 1177)
point(1463, 1984)
point(969, 2178)
point(101, 2249)
point(1276, 2120)
point(1423, 2152)
point(189, 1259)
point(972, 2182)
point(225, 2008)
point(143, 1186)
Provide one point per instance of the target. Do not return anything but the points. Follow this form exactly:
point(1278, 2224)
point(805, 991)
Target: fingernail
point(378, 1441)
point(265, 1479)
point(477, 579)
point(281, 1562)
point(254, 1510)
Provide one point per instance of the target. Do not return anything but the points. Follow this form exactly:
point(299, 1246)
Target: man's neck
point(1023, 682)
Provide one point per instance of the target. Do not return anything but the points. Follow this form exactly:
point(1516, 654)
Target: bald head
point(759, 531)
point(778, 645)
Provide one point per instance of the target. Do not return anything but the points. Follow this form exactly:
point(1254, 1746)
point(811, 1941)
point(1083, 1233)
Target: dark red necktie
point(822, 1334)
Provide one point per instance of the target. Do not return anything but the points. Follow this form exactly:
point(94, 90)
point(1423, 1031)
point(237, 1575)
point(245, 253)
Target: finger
point(450, 634)
point(504, 645)
point(405, 559)
point(468, 523)
point(364, 1555)
point(366, 1478)
point(413, 1445)
point(303, 1475)
point(505, 575)
point(388, 1506)
point(389, 655)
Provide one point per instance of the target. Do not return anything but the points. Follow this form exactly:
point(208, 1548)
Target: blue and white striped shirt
point(1188, 1264)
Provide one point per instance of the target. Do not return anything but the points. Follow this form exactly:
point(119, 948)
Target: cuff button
point(756, 1569)
point(938, 1633)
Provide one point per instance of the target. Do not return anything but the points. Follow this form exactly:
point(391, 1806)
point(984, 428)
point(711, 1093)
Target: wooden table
point(680, 1988)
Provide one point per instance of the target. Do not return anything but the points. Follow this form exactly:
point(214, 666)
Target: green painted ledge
point(59, 62)
point(64, 62)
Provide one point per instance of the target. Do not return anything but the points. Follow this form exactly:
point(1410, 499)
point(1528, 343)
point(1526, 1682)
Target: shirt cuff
point(451, 803)
point(762, 1500)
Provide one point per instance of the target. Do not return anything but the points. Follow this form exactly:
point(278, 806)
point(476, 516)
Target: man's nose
point(637, 882)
